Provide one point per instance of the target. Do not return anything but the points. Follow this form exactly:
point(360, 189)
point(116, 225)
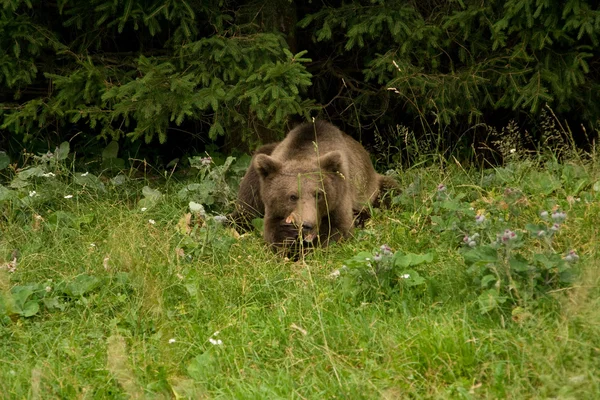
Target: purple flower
point(386, 250)
point(206, 160)
point(507, 236)
point(441, 187)
point(571, 256)
point(559, 216)
point(480, 219)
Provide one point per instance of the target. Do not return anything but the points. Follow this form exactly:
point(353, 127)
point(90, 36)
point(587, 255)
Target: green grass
point(290, 329)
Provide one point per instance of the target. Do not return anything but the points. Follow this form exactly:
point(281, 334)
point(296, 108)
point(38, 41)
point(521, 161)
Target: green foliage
point(103, 298)
point(383, 274)
point(27, 300)
point(454, 62)
point(173, 73)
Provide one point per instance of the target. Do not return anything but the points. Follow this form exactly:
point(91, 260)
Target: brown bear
point(309, 187)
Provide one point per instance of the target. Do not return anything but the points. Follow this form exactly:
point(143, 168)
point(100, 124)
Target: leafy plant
point(202, 235)
point(383, 274)
point(217, 184)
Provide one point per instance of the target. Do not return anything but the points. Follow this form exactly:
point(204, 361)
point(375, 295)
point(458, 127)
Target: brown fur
point(249, 205)
point(310, 186)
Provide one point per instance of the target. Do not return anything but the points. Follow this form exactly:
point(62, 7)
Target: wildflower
point(151, 221)
point(555, 227)
point(48, 289)
point(171, 341)
point(405, 276)
point(143, 209)
point(480, 219)
point(197, 208)
point(220, 219)
point(571, 256)
point(377, 257)
point(512, 151)
point(11, 266)
point(214, 342)
point(507, 236)
point(32, 193)
point(92, 244)
point(544, 214)
point(206, 161)
point(69, 196)
point(441, 187)
point(48, 175)
point(85, 174)
point(559, 216)
point(386, 250)
point(471, 240)
point(336, 273)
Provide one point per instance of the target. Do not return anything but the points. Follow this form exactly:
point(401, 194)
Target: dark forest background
point(167, 78)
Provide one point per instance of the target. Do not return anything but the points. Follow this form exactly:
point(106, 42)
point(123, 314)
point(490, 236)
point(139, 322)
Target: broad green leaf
point(4, 160)
point(150, 193)
point(202, 366)
point(490, 300)
point(81, 285)
point(408, 260)
point(22, 303)
point(89, 180)
point(519, 263)
point(110, 151)
point(6, 193)
point(29, 172)
point(481, 255)
point(62, 152)
point(151, 197)
point(486, 280)
point(411, 278)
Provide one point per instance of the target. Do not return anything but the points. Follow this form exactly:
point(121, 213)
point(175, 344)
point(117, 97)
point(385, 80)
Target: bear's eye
point(293, 197)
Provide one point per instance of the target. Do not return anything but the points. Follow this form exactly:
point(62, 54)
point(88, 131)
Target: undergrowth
point(476, 283)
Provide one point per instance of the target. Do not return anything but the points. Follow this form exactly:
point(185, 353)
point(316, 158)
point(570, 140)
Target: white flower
point(512, 151)
point(32, 193)
point(214, 342)
point(85, 174)
point(405, 276)
point(220, 219)
point(92, 244)
point(171, 341)
point(48, 175)
point(151, 221)
point(69, 196)
point(197, 208)
point(143, 209)
point(48, 289)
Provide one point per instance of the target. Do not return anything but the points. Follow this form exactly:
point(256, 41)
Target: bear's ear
point(266, 165)
point(331, 162)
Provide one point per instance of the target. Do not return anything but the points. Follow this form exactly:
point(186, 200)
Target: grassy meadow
point(476, 283)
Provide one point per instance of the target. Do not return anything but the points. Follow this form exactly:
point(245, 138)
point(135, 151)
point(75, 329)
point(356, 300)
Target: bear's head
point(299, 194)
